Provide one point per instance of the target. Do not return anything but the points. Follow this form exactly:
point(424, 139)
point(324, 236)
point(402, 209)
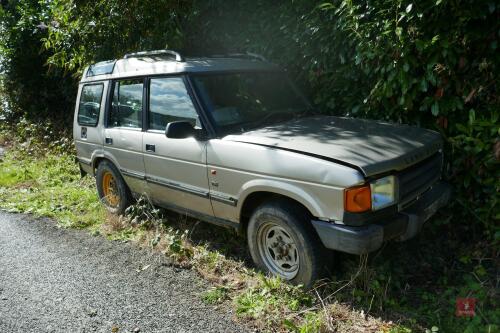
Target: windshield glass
point(240, 102)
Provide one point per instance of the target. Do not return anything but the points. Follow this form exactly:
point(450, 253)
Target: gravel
point(64, 280)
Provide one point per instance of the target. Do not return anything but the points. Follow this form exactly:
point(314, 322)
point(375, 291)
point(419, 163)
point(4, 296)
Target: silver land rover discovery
point(231, 141)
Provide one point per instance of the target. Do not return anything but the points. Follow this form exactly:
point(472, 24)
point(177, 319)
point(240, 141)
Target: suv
point(231, 141)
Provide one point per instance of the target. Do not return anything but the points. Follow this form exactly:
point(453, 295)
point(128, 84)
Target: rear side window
point(169, 101)
point(90, 104)
point(126, 107)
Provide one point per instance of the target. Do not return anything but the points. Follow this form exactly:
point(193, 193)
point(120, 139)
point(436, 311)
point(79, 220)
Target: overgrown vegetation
point(48, 185)
point(432, 63)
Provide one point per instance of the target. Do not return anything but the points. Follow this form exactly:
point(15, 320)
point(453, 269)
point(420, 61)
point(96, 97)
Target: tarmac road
point(62, 280)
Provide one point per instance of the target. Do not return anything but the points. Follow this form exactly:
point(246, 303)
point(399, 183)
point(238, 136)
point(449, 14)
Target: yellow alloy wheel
point(110, 189)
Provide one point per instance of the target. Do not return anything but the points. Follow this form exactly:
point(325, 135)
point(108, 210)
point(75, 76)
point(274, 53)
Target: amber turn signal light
point(358, 199)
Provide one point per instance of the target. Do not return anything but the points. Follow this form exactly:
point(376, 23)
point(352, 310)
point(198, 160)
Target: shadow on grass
point(216, 238)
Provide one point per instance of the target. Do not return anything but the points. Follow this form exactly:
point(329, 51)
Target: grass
point(49, 186)
point(215, 295)
point(413, 286)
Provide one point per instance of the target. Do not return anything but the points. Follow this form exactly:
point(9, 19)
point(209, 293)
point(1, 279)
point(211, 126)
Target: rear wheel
point(283, 243)
point(113, 191)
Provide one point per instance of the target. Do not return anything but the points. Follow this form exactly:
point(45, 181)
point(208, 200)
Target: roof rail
point(242, 55)
point(177, 55)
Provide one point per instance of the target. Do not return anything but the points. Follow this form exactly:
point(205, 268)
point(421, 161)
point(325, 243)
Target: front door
point(123, 133)
point(176, 169)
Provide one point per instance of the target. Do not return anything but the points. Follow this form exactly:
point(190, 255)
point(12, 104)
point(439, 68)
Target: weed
point(215, 295)
point(272, 302)
point(312, 323)
point(143, 212)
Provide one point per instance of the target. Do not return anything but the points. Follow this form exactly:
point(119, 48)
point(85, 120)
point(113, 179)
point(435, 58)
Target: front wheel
point(111, 187)
point(283, 243)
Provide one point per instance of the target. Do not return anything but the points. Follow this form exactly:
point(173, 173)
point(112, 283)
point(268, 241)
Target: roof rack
point(177, 55)
point(242, 55)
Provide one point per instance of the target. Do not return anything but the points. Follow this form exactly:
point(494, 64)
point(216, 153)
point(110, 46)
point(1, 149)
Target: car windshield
point(240, 102)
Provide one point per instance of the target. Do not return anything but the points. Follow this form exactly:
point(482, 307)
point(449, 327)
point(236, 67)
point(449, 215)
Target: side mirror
point(179, 130)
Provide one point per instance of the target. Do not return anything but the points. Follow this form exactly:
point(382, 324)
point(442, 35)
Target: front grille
point(418, 178)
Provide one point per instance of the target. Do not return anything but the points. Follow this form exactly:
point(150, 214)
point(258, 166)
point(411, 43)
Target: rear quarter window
point(90, 104)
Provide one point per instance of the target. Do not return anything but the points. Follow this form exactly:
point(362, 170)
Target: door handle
point(83, 133)
point(109, 141)
point(150, 148)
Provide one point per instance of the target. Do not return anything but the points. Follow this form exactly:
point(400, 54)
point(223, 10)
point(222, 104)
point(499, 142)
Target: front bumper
point(402, 226)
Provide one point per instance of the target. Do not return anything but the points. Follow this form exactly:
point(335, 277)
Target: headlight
point(376, 195)
point(383, 192)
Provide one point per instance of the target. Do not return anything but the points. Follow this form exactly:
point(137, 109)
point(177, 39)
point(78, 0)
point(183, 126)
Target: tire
point(299, 257)
point(113, 192)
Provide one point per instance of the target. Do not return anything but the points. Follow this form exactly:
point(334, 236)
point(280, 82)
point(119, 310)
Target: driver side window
point(170, 101)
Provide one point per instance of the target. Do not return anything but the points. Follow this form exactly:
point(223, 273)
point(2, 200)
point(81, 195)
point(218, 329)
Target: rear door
point(123, 133)
point(87, 124)
point(176, 169)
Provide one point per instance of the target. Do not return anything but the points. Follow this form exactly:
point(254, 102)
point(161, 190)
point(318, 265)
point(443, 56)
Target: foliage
point(425, 277)
point(215, 295)
point(82, 32)
point(28, 88)
point(44, 46)
point(271, 301)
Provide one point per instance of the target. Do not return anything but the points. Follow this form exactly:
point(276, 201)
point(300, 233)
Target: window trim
point(100, 104)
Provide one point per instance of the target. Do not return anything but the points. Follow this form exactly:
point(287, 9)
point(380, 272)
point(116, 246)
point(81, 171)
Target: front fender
point(282, 188)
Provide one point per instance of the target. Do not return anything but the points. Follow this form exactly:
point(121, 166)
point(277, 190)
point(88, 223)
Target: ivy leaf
point(435, 109)
point(466, 181)
point(461, 128)
point(326, 6)
point(472, 116)
point(409, 7)
point(423, 85)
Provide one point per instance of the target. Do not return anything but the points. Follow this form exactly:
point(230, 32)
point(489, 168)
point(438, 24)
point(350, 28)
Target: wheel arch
point(100, 157)
point(256, 195)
